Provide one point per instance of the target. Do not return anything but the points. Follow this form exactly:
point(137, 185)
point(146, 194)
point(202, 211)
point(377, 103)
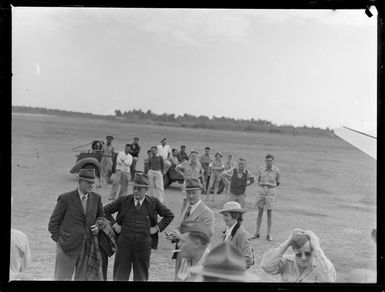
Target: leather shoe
point(256, 235)
point(268, 238)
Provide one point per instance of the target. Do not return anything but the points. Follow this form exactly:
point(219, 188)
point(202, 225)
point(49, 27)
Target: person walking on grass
point(308, 265)
point(239, 178)
point(137, 229)
point(72, 227)
point(216, 169)
point(268, 181)
point(155, 175)
point(122, 173)
point(106, 162)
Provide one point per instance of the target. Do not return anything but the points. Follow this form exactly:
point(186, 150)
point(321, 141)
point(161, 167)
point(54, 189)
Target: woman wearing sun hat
point(235, 233)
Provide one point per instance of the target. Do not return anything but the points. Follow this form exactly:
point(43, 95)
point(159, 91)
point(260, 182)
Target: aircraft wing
point(362, 139)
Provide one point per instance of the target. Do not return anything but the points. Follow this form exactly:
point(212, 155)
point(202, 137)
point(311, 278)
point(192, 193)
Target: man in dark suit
point(72, 225)
point(137, 226)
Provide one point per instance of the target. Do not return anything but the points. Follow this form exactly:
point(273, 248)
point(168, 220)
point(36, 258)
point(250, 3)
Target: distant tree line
point(218, 123)
point(188, 121)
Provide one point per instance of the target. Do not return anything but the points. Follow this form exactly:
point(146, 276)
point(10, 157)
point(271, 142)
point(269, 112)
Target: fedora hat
point(218, 153)
point(194, 226)
point(232, 207)
point(299, 239)
point(225, 261)
point(140, 180)
point(87, 175)
point(193, 184)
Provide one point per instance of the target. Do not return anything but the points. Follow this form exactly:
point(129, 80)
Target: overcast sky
point(298, 67)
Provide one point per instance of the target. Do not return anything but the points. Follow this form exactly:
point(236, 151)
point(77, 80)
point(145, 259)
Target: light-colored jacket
point(240, 237)
point(202, 213)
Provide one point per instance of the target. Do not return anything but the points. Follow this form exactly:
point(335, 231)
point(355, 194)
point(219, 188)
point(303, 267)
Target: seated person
point(97, 146)
point(308, 265)
point(174, 157)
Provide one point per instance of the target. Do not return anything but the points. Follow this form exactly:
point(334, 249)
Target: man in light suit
point(195, 210)
point(72, 225)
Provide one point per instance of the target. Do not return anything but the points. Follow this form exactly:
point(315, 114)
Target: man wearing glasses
point(137, 229)
point(309, 263)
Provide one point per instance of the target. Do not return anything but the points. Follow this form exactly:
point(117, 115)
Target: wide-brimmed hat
point(218, 153)
point(232, 207)
point(87, 175)
point(194, 226)
point(227, 262)
point(163, 139)
point(109, 137)
point(193, 184)
point(140, 180)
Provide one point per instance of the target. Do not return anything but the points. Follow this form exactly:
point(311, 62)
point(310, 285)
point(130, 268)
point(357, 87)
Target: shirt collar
point(81, 194)
point(244, 170)
point(193, 207)
point(140, 202)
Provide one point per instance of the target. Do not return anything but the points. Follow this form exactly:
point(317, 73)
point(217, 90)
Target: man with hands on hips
point(309, 263)
point(137, 227)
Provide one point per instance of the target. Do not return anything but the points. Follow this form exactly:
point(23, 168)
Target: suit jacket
point(155, 208)
point(202, 213)
point(69, 225)
point(241, 239)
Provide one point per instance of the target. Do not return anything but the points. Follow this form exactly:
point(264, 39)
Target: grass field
point(327, 186)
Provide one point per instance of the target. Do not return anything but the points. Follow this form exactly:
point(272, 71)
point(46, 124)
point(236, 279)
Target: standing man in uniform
point(240, 178)
point(106, 162)
point(155, 174)
point(268, 181)
point(190, 169)
point(164, 150)
point(122, 172)
point(205, 160)
point(135, 149)
point(72, 227)
point(137, 227)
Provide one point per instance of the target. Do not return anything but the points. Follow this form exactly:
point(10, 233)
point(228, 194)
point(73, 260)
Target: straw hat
point(232, 207)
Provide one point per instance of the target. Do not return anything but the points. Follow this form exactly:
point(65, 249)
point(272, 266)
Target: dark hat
point(109, 137)
point(193, 184)
point(194, 226)
point(87, 175)
point(140, 180)
point(299, 239)
point(225, 261)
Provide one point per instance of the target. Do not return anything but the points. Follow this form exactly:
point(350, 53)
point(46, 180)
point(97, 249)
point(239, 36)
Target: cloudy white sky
point(298, 67)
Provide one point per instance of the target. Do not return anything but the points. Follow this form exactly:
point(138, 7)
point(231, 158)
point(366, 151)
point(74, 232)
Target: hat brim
point(234, 210)
point(193, 189)
point(86, 179)
point(140, 186)
point(245, 277)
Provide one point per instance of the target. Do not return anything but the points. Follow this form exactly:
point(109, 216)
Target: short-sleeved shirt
point(163, 150)
point(189, 170)
point(269, 177)
point(217, 163)
point(107, 150)
point(205, 159)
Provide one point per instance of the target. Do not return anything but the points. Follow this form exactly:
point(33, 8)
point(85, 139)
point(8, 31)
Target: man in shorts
point(268, 181)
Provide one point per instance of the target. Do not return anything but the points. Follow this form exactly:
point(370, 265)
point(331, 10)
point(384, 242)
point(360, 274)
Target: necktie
point(84, 203)
point(137, 205)
point(187, 212)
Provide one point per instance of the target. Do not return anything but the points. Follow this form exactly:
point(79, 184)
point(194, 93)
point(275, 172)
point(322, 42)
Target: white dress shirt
point(123, 161)
point(163, 150)
point(228, 231)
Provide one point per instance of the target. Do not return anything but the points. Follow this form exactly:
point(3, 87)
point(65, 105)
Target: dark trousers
point(104, 265)
point(132, 169)
point(132, 253)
